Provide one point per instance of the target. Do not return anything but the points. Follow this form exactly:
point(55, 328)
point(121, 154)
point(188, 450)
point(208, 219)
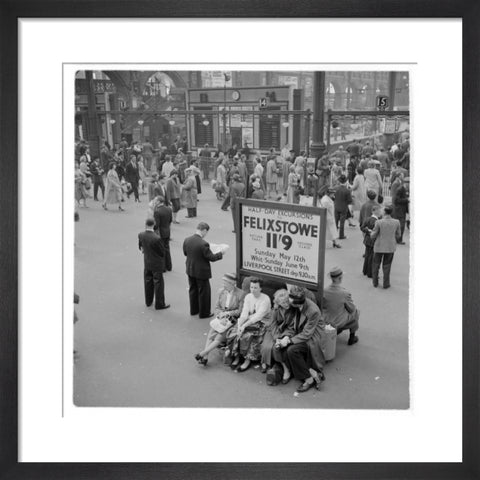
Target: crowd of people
point(285, 330)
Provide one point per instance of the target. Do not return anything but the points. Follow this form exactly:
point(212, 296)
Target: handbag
point(219, 326)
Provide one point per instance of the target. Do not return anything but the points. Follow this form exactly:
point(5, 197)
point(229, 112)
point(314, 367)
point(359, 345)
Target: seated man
point(300, 352)
point(338, 307)
point(227, 310)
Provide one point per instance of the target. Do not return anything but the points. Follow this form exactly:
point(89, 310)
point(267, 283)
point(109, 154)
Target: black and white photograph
point(242, 237)
point(229, 224)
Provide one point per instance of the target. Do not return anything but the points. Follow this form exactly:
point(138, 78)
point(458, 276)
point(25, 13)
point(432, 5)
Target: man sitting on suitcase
point(338, 307)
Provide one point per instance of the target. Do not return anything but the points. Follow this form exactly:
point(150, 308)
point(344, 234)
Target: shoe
point(198, 357)
point(386, 286)
point(210, 315)
point(263, 368)
point(225, 209)
point(95, 199)
point(401, 243)
point(176, 222)
point(352, 340)
point(375, 285)
point(233, 231)
point(304, 387)
point(286, 380)
point(163, 307)
point(351, 225)
point(235, 363)
point(104, 206)
point(343, 238)
point(336, 245)
point(120, 208)
point(241, 368)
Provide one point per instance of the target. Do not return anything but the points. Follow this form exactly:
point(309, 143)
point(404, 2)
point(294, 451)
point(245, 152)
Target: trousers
point(199, 294)
point(297, 357)
point(340, 217)
point(367, 262)
point(154, 288)
point(384, 259)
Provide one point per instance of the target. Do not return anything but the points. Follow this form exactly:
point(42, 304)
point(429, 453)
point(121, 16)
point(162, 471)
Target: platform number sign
point(262, 102)
point(382, 102)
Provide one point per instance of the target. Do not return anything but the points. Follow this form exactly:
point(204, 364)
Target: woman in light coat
point(359, 192)
point(113, 188)
point(326, 202)
point(373, 180)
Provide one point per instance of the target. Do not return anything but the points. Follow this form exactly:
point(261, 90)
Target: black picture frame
point(468, 10)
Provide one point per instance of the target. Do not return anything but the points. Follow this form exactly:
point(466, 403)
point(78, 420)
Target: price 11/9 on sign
point(282, 241)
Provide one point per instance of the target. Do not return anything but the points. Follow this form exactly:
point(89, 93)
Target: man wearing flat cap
point(301, 351)
point(237, 190)
point(338, 307)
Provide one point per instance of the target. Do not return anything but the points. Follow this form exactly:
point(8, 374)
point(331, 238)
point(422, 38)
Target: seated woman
point(228, 308)
point(245, 338)
point(281, 324)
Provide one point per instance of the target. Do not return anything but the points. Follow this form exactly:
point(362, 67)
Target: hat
point(173, 172)
point(331, 190)
point(236, 177)
point(335, 272)
point(297, 295)
point(230, 277)
point(256, 184)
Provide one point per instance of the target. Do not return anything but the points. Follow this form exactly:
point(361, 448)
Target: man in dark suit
point(163, 218)
point(132, 177)
point(367, 228)
point(343, 198)
point(237, 190)
point(151, 245)
point(386, 234)
point(199, 256)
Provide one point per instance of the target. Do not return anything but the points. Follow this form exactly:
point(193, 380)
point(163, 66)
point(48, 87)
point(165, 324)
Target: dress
point(113, 188)
point(327, 202)
point(80, 178)
point(249, 343)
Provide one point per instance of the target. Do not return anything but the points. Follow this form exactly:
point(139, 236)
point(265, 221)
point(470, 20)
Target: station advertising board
point(281, 241)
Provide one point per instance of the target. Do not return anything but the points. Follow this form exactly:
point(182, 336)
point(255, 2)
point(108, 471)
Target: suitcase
point(331, 342)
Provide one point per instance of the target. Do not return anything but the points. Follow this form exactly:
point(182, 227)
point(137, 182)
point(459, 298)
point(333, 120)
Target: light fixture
point(112, 121)
point(286, 124)
point(206, 122)
point(171, 122)
point(140, 122)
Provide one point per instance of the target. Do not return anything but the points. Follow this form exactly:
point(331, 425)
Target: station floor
point(133, 356)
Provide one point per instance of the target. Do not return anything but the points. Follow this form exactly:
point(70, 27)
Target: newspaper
point(219, 247)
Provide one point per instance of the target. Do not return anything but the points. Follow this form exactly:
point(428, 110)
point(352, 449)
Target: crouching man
point(338, 307)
